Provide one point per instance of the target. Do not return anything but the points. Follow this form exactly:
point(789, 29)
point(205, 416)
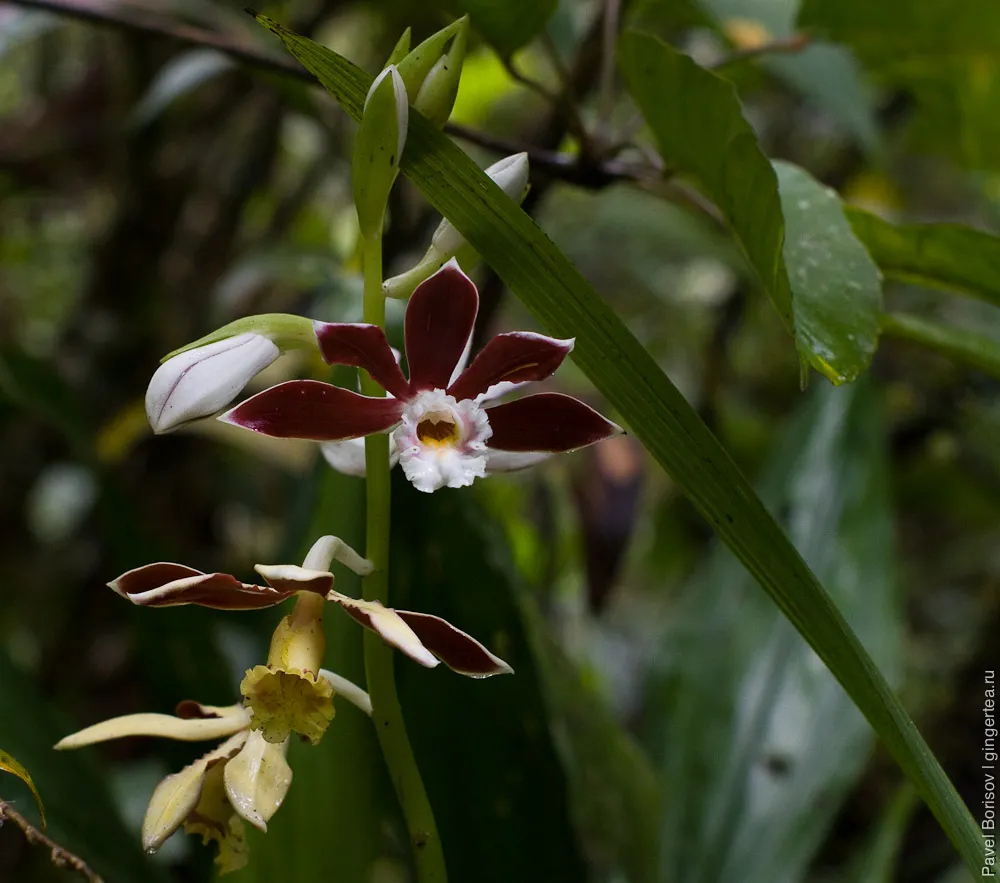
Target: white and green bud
point(511, 175)
point(203, 377)
point(379, 148)
point(437, 93)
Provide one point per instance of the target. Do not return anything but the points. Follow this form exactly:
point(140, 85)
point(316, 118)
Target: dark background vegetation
point(664, 723)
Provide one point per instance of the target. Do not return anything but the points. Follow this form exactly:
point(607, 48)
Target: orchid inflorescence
point(446, 428)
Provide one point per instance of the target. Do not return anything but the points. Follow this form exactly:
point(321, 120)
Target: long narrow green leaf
point(977, 350)
point(948, 256)
point(563, 301)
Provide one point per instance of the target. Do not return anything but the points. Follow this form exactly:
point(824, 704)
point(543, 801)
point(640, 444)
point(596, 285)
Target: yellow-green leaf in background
point(9, 765)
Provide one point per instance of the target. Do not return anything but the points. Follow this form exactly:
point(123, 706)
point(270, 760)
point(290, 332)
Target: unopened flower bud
point(199, 382)
point(378, 149)
point(439, 89)
point(511, 175)
point(417, 64)
point(400, 50)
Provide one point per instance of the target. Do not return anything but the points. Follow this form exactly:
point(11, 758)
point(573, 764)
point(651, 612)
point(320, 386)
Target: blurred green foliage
point(665, 722)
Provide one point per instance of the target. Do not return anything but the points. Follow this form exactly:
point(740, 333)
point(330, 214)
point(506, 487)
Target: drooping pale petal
point(313, 410)
point(512, 358)
point(424, 638)
point(438, 323)
point(362, 346)
point(229, 720)
point(348, 456)
point(201, 381)
point(221, 591)
point(385, 621)
point(290, 578)
point(348, 689)
point(257, 779)
point(512, 461)
point(176, 797)
point(547, 422)
point(456, 649)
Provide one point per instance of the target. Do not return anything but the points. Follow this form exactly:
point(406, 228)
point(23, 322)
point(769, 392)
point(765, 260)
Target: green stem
point(387, 714)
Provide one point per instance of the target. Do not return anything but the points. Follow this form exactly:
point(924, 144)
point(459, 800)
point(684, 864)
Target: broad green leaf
point(828, 75)
point(700, 129)
point(835, 285)
point(81, 815)
point(978, 350)
point(759, 744)
point(945, 55)
point(566, 305)
point(9, 764)
point(554, 777)
point(509, 24)
point(948, 256)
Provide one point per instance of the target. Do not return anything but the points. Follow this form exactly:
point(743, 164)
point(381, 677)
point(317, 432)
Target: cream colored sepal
point(257, 779)
point(231, 719)
point(176, 797)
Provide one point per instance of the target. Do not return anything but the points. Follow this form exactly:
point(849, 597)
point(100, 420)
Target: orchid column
point(377, 153)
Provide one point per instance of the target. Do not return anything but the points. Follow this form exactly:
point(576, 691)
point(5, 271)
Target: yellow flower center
point(438, 430)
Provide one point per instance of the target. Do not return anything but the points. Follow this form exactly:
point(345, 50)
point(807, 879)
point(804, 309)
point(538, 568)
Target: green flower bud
point(400, 50)
point(378, 149)
point(437, 93)
point(416, 66)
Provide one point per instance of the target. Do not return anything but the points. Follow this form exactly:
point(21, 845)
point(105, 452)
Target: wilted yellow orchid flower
point(245, 778)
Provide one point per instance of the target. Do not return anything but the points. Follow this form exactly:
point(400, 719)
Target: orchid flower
point(443, 432)
point(424, 638)
point(244, 778)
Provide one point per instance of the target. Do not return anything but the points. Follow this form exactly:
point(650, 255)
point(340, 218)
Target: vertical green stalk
point(386, 712)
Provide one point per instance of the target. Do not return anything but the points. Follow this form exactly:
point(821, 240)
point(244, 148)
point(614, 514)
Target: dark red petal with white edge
point(220, 591)
point(438, 324)
point(515, 357)
point(151, 576)
point(362, 346)
point(548, 421)
point(459, 651)
point(316, 411)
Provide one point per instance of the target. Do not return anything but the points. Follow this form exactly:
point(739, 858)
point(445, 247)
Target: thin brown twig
point(779, 46)
point(582, 171)
point(60, 856)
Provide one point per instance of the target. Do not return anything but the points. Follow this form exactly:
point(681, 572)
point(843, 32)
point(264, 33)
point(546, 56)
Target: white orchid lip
point(199, 382)
point(442, 441)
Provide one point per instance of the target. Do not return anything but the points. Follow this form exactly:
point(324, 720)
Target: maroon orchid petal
point(362, 346)
point(515, 357)
point(313, 410)
point(151, 576)
point(547, 422)
point(459, 651)
point(439, 320)
point(220, 591)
